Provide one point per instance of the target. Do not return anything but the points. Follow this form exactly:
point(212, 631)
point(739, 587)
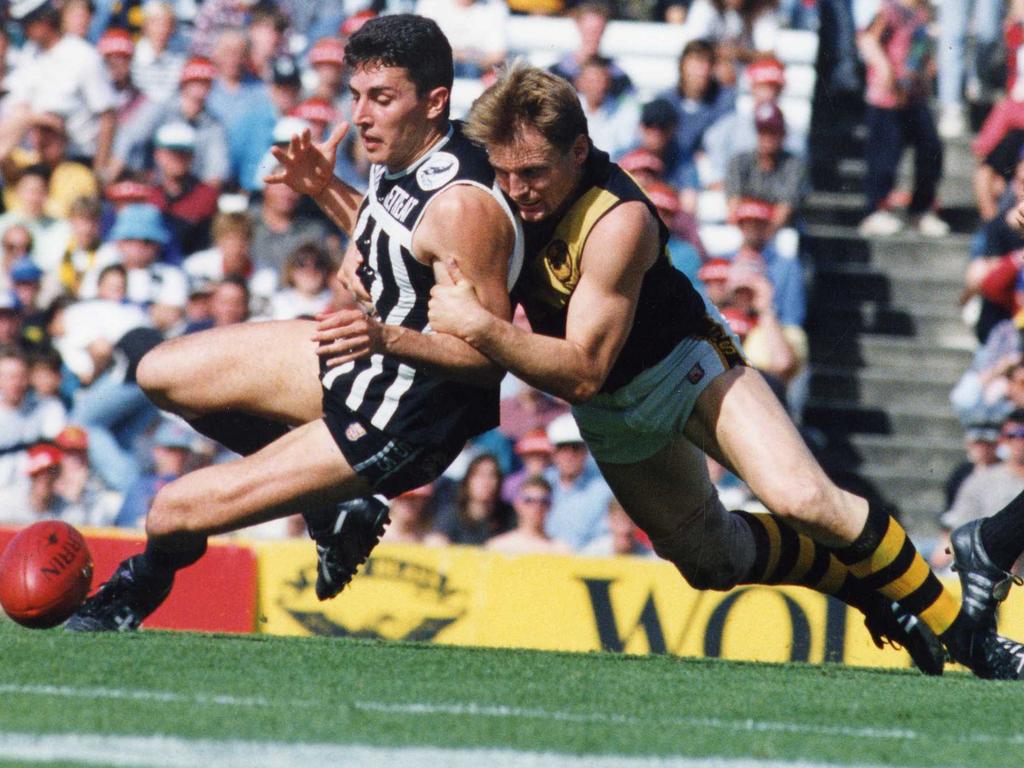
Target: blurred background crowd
point(134, 137)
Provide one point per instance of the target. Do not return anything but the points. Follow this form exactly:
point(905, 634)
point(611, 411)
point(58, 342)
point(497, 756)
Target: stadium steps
point(887, 342)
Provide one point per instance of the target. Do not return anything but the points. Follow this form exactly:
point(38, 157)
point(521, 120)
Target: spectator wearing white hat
point(157, 62)
point(187, 202)
point(134, 144)
point(579, 495)
point(68, 71)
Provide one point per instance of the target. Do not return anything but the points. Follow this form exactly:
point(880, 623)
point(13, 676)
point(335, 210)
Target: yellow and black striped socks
point(884, 559)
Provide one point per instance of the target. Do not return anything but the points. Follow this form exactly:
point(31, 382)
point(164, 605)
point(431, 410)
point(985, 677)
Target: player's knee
point(803, 500)
point(721, 576)
point(155, 374)
point(169, 514)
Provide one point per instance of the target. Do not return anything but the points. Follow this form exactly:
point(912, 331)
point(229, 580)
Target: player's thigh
point(740, 422)
point(665, 491)
point(303, 470)
point(270, 369)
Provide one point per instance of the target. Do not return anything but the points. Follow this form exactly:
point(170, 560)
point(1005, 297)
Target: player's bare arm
point(463, 224)
point(620, 250)
point(308, 168)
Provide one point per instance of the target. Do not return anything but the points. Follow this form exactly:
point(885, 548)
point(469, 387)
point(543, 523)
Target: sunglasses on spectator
point(528, 499)
point(1016, 432)
point(24, 245)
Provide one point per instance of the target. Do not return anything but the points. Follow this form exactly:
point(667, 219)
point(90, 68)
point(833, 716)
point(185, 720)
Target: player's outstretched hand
point(1015, 217)
point(346, 335)
point(454, 308)
point(305, 165)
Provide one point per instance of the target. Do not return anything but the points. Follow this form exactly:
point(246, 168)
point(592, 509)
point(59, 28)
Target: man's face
point(173, 163)
point(13, 380)
point(570, 459)
point(1013, 438)
point(594, 83)
point(755, 232)
point(769, 142)
point(695, 75)
point(330, 76)
point(119, 67)
point(393, 121)
point(49, 143)
point(138, 254)
point(654, 138)
point(536, 175)
point(532, 505)
point(228, 305)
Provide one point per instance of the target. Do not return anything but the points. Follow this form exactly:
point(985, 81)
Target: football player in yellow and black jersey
point(657, 383)
point(339, 415)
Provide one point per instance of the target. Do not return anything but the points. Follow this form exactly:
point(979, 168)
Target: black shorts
point(389, 464)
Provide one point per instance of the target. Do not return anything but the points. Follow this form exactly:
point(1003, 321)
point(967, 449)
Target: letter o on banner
point(799, 625)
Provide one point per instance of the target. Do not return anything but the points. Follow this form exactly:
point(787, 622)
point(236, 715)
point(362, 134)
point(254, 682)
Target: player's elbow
point(583, 390)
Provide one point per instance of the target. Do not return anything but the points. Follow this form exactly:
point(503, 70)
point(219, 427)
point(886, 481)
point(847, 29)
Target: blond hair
point(525, 96)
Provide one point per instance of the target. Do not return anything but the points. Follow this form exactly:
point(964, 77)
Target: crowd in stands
point(135, 136)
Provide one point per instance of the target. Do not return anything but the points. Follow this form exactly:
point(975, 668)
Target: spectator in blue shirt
point(580, 496)
point(698, 98)
point(172, 449)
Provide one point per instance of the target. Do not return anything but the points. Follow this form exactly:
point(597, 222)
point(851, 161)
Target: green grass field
point(239, 696)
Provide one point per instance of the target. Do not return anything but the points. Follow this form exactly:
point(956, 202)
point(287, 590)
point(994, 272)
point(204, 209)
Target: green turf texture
point(316, 690)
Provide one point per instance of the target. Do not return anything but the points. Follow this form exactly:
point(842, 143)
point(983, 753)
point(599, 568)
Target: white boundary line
point(168, 752)
point(427, 709)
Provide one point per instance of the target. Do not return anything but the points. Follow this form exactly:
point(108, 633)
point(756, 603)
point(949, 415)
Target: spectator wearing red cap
point(158, 60)
point(755, 219)
point(117, 48)
point(41, 501)
point(133, 150)
point(735, 132)
point(89, 501)
point(327, 60)
point(898, 50)
point(65, 74)
point(684, 245)
point(534, 452)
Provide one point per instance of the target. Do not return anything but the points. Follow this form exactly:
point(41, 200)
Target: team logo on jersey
point(438, 170)
point(354, 431)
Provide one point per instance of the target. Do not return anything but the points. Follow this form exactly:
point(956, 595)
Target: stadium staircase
point(886, 335)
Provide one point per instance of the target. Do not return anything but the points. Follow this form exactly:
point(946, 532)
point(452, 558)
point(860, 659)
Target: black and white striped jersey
point(396, 397)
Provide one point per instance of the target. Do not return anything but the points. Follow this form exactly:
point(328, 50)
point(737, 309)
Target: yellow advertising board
point(465, 596)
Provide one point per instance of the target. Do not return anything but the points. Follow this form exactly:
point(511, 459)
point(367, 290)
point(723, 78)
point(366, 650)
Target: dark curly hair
point(404, 40)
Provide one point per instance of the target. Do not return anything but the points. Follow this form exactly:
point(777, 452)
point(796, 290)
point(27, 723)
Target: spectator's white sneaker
point(952, 124)
point(880, 224)
point(930, 225)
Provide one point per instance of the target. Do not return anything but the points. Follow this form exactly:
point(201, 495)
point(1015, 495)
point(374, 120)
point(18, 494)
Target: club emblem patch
point(438, 170)
point(696, 374)
point(354, 431)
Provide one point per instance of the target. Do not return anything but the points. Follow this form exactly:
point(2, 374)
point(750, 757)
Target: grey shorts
point(635, 421)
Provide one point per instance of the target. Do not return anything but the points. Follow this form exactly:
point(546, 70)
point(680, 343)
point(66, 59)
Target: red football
point(45, 574)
